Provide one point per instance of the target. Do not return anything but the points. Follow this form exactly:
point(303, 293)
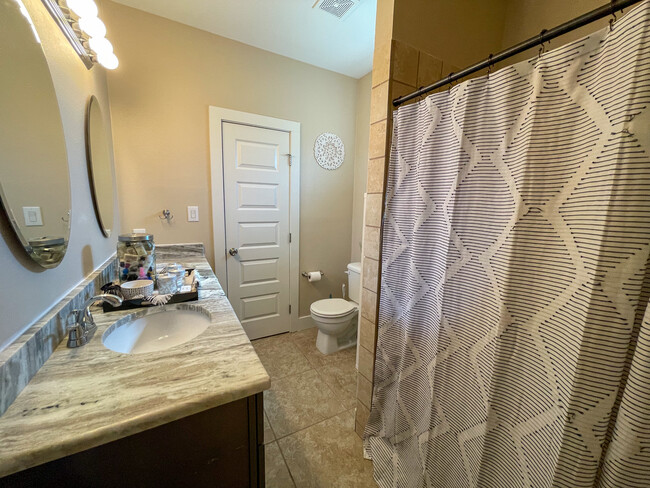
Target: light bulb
point(108, 60)
point(92, 26)
point(100, 45)
point(83, 8)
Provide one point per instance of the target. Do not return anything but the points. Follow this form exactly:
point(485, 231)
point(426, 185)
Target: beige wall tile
point(383, 36)
point(398, 89)
point(370, 273)
point(364, 390)
point(449, 68)
point(367, 334)
point(373, 209)
point(429, 69)
point(376, 168)
point(405, 63)
point(381, 62)
point(361, 418)
point(379, 102)
point(377, 146)
point(371, 242)
point(366, 363)
point(369, 305)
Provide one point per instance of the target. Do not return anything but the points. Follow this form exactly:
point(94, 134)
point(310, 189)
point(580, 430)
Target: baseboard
point(304, 322)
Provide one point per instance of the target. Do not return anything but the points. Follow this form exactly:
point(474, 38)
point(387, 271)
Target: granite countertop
point(85, 397)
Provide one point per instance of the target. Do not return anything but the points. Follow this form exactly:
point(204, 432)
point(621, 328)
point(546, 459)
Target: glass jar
point(136, 256)
point(48, 251)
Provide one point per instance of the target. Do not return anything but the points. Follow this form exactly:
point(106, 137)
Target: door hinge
point(289, 158)
point(289, 308)
point(289, 237)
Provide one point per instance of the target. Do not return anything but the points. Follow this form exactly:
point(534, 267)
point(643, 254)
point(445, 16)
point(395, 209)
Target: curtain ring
point(613, 19)
point(449, 80)
point(542, 48)
point(489, 65)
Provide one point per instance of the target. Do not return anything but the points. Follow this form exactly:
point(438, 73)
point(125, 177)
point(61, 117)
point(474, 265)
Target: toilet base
point(329, 344)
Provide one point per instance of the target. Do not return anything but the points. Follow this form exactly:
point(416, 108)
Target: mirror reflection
point(34, 178)
point(100, 165)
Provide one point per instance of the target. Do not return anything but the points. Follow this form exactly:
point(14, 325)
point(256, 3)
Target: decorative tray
point(180, 297)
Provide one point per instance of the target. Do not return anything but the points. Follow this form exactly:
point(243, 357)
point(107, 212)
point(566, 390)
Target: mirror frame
point(47, 251)
point(91, 174)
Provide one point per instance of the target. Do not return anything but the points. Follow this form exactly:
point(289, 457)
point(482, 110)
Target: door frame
point(217, 116)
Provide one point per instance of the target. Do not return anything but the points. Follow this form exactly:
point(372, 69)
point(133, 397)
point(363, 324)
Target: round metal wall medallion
point(329, 150)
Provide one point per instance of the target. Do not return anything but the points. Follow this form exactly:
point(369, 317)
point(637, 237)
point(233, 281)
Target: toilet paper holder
point(306, 275)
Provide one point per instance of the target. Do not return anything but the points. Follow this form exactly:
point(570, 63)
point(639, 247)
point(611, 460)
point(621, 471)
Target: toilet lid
point(332, 307)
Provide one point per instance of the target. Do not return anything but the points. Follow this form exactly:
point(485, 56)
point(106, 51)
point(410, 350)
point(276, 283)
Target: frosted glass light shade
point(108, 60)
point(92, 26)
point(100, 45)
point(83, 8)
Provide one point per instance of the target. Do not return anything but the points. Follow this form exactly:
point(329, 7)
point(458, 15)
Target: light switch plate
point(192, 213)
point(32, 216)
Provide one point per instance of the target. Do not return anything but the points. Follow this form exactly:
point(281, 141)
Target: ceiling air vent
point(340, 9)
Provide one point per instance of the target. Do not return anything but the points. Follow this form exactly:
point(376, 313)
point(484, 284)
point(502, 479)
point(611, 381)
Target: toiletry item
point(161, 268)
point(178, 271)
point(132, 289)
point(136, 255)
point(189, 278)
point(167, 283)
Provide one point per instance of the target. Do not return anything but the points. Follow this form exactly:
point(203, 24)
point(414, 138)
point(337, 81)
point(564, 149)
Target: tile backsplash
point(22, 359)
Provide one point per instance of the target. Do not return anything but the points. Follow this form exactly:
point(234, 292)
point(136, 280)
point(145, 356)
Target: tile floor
point(309, 415)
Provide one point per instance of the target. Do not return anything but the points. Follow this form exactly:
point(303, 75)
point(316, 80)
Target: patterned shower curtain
point(514, 329)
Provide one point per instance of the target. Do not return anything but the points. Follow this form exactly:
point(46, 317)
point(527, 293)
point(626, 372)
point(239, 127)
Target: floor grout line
point(345, 409)
point(286, 464)
point(340, 399)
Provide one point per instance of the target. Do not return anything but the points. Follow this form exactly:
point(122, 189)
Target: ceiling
point(291, 28)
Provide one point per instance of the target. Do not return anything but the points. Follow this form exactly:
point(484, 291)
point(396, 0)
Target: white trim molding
point(217, 117)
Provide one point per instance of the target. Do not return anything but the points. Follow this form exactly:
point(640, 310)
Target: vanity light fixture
point(86, 32)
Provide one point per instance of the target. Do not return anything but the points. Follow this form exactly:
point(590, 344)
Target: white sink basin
point(155, 329)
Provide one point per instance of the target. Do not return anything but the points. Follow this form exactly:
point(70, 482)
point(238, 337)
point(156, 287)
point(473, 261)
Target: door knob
point(232, 251)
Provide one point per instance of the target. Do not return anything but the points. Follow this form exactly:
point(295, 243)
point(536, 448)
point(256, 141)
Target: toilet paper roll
point(314, 276)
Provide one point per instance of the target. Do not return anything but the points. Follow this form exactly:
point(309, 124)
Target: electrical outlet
point(192, 213)
point(32, 216)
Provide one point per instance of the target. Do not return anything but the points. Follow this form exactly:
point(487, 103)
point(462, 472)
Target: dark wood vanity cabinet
point(220, 447)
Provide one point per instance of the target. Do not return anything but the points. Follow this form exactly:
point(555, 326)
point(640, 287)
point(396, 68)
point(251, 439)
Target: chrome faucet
point(83, 327)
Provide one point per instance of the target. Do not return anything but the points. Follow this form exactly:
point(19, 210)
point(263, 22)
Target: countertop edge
point(134, 426)
point(27, 450)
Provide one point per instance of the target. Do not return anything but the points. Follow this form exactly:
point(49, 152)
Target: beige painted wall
point(364, 86)
point(526, 18)
point(28, 291)
point(168, 77)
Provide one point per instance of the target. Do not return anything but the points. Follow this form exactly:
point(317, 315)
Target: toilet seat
point(332, 308)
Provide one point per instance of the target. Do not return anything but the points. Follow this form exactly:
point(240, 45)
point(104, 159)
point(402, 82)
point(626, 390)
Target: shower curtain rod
point(541, 38)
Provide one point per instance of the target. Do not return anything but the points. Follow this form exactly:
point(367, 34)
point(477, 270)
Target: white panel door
point(256, 197)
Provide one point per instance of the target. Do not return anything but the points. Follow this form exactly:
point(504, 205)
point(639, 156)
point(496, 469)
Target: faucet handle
point(72, 320)
point(76, 334)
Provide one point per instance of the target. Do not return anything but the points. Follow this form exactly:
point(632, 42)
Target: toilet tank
point(354, 281)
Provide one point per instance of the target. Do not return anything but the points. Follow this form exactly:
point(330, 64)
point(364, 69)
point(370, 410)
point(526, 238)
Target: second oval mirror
point(100, 165)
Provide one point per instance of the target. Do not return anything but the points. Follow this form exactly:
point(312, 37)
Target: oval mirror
point(34, 177)
point(100, 165)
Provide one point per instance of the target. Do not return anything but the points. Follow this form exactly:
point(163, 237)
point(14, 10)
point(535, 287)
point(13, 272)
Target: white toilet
point(336, 318)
